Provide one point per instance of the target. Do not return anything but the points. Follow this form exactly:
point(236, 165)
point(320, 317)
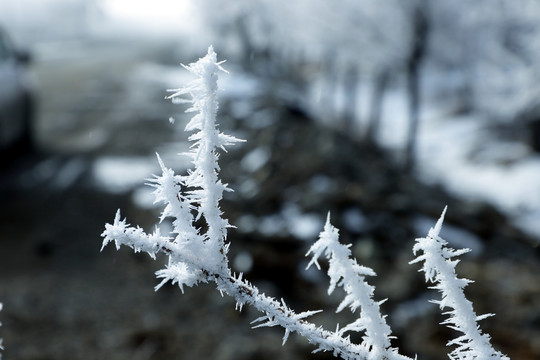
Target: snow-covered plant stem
point(344, 271)
point(439, 268)
point(199, 253)
point(276, 312)
point(195, 256)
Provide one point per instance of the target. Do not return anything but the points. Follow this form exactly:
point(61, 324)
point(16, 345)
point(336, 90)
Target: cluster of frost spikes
point(439, 268)
point(196, 255)
point(344, 271)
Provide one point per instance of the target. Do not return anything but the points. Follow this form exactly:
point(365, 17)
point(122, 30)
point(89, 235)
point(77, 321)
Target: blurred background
point(381, 112)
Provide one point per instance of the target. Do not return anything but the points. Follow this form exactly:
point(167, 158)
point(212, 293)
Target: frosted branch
point(207, 188)
point(196, 257)
point(344, 271)
point(439, 268)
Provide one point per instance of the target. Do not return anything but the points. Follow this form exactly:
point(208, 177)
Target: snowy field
point(459, 152)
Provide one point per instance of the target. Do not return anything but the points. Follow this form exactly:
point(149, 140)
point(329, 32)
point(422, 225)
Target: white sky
point(49, 18)
point(155, 13)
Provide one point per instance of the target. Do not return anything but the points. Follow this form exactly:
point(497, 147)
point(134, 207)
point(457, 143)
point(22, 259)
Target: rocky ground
point(63, 299)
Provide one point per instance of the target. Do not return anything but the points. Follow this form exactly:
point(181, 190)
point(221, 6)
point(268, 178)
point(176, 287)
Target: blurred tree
point(492, 46)
point(495, 46)
point(421, 28)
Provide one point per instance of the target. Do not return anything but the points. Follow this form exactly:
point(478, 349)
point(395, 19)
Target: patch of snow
point(289, 221)
point(249, 188)
point(240, 86)
point(394, 120)
point(122, 174)
point(143, 197)
point(241, 109)
point(256, 159)
point(453, 149)
point(302, 226)
point(164, 76)
point(247, 223)
point(272, 225)
point(529, 222)
point(243, 262)
point(444, 148)
point(503, 174)
point(502, 153)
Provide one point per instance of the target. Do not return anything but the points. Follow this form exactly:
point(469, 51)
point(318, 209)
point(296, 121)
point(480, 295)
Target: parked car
point(16, 97)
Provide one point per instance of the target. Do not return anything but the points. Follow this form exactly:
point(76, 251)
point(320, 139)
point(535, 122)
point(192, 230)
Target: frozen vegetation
point(197, 249)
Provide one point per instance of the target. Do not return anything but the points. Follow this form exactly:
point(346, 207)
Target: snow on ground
point(110, 172)
point(290, 220)
point(458, 152)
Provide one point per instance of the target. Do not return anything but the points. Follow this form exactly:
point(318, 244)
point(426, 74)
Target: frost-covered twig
point(206, 188)
point(196, 256)
point(186, 267)
point(344, 271)
point(439, 268)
